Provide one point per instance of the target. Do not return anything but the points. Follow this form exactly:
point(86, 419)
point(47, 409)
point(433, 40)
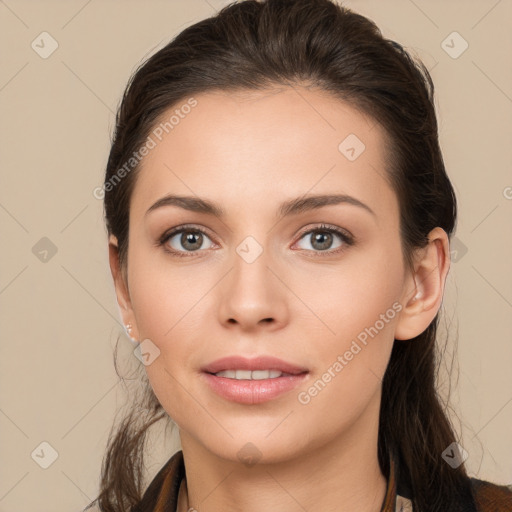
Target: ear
point(424, 288)
point(121, 288)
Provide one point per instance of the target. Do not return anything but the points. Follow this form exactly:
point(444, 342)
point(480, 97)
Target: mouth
point(252, 381)
point(251, 368)
point(251, 375)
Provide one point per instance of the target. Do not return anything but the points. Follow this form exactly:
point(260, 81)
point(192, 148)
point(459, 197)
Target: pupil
point(189, 237)
point(326, 236)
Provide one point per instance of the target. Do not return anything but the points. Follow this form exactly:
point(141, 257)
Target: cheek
point(160, 294)
point(355, 309)
point(164, 309)
point(349, 365)
point(361, 292)
point(169, 307)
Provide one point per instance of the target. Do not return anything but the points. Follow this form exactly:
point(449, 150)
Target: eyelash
point(347, 239)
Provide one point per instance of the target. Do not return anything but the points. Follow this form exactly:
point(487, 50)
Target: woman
point(279, 218)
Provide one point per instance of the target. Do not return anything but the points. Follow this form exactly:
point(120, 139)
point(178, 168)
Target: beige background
point(59, 318)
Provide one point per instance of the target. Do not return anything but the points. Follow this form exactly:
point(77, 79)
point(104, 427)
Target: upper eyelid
point(327, 227)
point(185, 227)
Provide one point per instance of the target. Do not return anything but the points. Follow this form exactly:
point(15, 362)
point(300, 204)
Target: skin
point(250, 151)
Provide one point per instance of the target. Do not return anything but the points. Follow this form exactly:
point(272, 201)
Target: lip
point(256, 363)
point(251, 392)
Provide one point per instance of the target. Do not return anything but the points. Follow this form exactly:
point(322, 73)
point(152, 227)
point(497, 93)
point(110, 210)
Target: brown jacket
point(162, 493)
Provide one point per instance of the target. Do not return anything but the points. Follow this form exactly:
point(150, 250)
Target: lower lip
point(253, 391)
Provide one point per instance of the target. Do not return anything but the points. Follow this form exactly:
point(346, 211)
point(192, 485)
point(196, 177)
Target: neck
point(341, 475)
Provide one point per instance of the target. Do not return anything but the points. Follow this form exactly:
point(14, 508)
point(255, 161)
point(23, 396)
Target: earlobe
point(423, 291)
point(121, 288)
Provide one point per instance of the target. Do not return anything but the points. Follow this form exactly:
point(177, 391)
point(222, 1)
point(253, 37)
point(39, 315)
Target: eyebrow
point(287, 208)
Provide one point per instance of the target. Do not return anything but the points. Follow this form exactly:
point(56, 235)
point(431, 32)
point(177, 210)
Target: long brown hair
point(252, 45)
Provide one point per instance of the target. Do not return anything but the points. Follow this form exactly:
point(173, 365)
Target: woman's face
point(266, 280)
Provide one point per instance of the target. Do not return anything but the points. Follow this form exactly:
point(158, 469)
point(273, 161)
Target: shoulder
point(491, 497)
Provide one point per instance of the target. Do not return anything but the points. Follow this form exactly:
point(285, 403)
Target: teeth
point(249, 375)
point(243, 374)
point(230, 374)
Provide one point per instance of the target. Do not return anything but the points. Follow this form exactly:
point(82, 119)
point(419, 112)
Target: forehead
point(250, 147)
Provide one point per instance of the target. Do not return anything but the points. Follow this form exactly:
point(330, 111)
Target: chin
point(250, 445)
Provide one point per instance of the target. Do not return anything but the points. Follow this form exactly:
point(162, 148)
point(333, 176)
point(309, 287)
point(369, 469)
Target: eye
point(187, 240)
point(323, 237)
point(191, 239)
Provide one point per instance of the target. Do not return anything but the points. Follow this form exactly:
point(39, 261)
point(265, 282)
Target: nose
point(253, 296)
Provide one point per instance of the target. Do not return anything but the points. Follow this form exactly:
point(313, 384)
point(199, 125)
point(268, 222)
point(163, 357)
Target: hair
point(256, 45)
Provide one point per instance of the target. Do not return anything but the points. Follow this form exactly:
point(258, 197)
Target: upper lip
point(256, 363)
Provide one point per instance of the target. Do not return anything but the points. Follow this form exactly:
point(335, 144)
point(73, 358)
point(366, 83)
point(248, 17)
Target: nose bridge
point(251, 292)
